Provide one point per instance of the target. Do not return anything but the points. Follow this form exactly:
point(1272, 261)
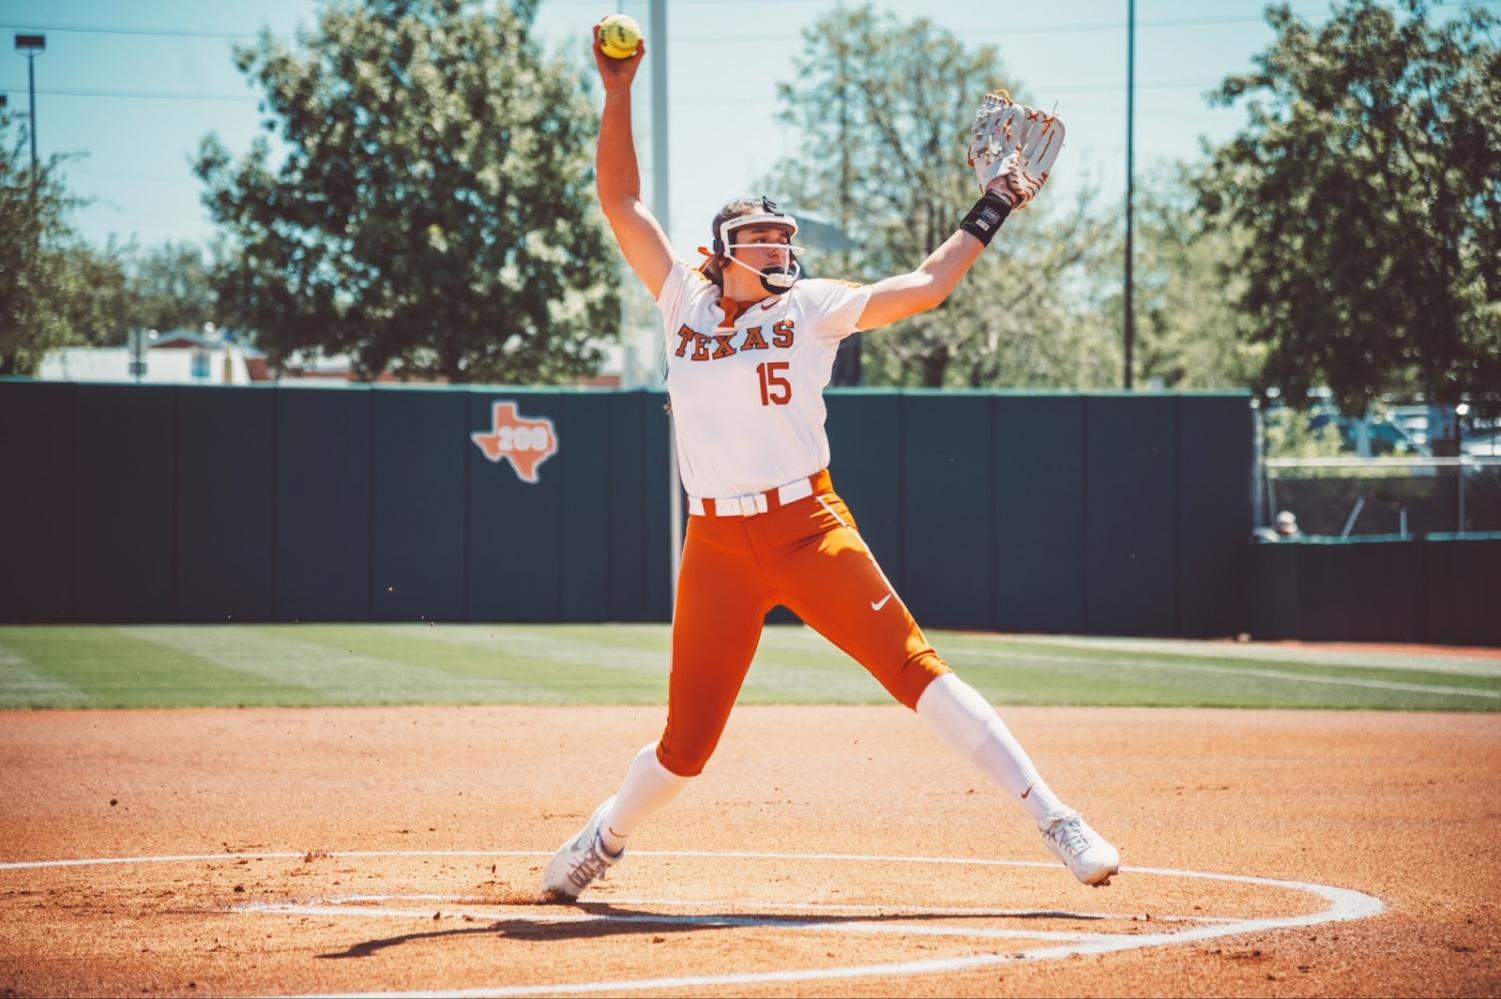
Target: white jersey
point(747, 401)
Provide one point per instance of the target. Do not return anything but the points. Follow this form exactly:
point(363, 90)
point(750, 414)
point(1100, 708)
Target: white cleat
point(1082, 850)
point(581, 860)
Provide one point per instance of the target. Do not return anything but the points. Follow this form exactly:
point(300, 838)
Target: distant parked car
point(1388, 435)
point(1483, 444)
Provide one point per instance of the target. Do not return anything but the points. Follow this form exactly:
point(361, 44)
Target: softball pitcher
point(750, 347)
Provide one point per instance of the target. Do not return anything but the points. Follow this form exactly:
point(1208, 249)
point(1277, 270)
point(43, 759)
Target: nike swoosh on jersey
point(876, 605)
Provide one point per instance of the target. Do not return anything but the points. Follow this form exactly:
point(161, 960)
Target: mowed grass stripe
point(797, 665)
point(1398, 681)
point(784, 671)
point(279, 653)
point(793, 665)
point(1082, 682)
point(23, 685)
point(541, 642)
point(1024, 680)
point(628, 664)
point(1032, 672)
point(988, 648)
point(655, 638)
point(1280, 654)
point(1017, 679)
point(1092, 680)
point(116, 670)
point(535, 678)
point(1214, 654)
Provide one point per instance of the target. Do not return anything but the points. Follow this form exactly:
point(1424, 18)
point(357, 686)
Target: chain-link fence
point(1406, 496)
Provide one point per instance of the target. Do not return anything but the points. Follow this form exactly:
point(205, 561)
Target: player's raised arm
point(1012, 151)
point(901, 295)
point(618, 178)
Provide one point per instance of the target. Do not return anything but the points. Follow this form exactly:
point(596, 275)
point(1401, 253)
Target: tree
point(33, 207)
point(94, 295)
point(55, 290)
point(1189, 334)
point(1368, 179)
point(434, 213)
point(172, 287)
point(884, 109)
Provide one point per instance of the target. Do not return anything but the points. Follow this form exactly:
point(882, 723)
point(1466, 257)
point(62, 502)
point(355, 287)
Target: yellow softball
point(618, 35)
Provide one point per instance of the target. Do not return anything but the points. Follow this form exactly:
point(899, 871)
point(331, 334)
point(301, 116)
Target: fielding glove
point(1013, 148)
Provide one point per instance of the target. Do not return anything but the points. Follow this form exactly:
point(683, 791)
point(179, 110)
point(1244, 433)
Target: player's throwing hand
point(617, 74)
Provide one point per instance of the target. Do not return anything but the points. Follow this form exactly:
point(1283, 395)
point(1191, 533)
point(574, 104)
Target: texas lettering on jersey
point(755, 420)
point(525, 441)
point(715, 346)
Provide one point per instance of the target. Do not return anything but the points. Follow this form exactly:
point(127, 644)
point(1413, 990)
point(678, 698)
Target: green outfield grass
point(332, 664)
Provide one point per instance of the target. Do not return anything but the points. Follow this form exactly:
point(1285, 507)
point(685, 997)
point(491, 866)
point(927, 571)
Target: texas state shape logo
point(525, 441)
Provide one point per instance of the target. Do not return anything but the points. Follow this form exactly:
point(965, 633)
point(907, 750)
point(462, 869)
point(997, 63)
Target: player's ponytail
point(712, 268)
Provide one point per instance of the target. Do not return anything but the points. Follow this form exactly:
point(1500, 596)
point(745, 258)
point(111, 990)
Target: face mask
point(775, 278)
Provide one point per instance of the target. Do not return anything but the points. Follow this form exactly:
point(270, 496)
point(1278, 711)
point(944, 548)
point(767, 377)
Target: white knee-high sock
point(648, 786)
point(970, 726)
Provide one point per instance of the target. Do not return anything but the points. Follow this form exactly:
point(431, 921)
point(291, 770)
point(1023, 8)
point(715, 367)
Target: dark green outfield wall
point(1439, 588)
point(1106, 514)
point(124, 503)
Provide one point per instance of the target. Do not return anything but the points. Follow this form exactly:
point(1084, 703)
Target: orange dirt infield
point(395, 849)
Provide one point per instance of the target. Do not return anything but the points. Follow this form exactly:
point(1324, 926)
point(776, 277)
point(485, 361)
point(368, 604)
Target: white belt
point(751, 503)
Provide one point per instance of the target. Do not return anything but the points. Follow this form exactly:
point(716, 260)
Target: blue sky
point(134, 86)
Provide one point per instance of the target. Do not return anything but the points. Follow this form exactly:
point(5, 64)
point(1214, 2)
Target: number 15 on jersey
point(775, 389)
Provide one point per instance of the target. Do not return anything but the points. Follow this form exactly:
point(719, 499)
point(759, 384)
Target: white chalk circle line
point(1344, 905)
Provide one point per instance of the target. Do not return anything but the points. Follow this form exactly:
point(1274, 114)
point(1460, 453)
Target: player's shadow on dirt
point(624, 922)
point(372, 946)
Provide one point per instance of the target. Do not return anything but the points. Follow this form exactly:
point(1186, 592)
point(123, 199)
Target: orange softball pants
point(807, 556)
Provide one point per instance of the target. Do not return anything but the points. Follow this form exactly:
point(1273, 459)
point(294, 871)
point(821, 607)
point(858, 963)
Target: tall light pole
point(661, 206)
point(661, 189)
point(1130, 333)
point(32, 46)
